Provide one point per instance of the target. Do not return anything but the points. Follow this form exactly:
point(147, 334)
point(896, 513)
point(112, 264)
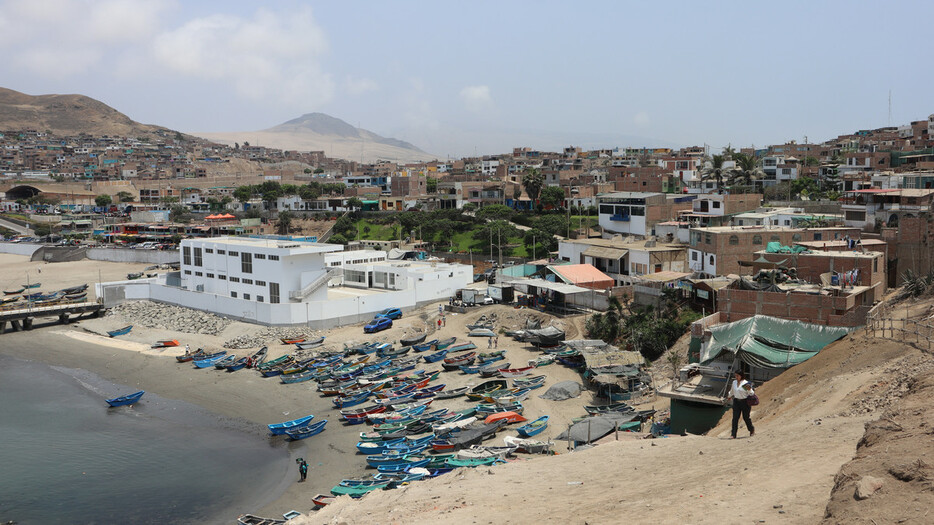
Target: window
point(606, 209)
point(757, 239)
point(210, 276)
point(198, 258)
point(246, 262)
point(186, 255)
point(248, 281)
point(233, 294)
point(274, 293)
point(716, 204)
point(259, 298)
point(199, 274)
point(775, 238)
point(796, 237)
point(246, 296)
point(711, 260)
point(734, 240)
point(708, 238)
point(693, 256)
point(235, 279)
point(187, 272)
point(260, 256)
point(875, 264)
point(273, 257)
point(260, 283)
point(222, 277)
point(638, 211)
point(818, 236)
point(209, 250)
point(233, 254)
point(658, 268)
point(221, 252)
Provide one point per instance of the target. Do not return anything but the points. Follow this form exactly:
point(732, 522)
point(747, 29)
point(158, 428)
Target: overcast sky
point(456, 78)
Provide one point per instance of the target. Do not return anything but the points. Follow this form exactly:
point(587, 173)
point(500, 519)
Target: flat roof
point(765, 228)
point(868, 255)
point(835, 243)
point(548, 285)
point(292, 247)
point(631, 194)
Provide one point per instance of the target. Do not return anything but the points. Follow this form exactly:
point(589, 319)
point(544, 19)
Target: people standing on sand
point(187, 349)
point(440, 310)
point(496, 342)
point(740, 390)
point(439, 323)
point(444, 321)
point(302, 469)
point(489, 342)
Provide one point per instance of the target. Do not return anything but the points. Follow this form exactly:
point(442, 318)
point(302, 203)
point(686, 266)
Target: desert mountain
point(333, 136)
point(66, 115)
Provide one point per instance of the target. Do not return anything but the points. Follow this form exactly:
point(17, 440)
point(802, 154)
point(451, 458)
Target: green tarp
point(769, 342)
point(776, 247)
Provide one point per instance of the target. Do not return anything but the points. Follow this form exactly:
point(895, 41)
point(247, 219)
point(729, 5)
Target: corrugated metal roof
point(580, 274)
point(605, 253)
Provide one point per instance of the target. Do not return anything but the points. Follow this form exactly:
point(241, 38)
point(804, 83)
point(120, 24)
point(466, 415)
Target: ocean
point(65, 457)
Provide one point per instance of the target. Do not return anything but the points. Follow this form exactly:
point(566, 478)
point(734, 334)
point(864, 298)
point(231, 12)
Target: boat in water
point(128, 399)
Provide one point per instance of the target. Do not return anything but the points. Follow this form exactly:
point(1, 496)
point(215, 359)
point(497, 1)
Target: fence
point(882, 318)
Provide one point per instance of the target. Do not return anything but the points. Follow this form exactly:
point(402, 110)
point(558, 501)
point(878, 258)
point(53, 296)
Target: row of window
point(246, 297)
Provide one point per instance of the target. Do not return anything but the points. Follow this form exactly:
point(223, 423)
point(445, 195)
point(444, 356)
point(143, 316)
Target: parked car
point(377, 324)
point(390, 313)
point(477, 277)
point(487, 300)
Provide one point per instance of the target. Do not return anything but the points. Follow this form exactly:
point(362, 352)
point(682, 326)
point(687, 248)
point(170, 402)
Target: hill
point(335, 137)
point(66, 115)
point(854, 412)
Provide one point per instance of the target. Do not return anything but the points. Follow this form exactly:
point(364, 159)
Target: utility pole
point(533, 246)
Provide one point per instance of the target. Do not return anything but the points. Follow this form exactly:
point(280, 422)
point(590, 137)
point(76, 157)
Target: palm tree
point(713, 169)
point(532, 181)
point(746, 172)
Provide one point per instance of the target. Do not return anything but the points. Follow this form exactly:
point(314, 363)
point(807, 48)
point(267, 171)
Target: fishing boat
point(165, 343)
point(15, 292)
point(463, 347)
point(515, 372)
point(128, 399)
point(492, 369)
point(480, 391)
point(424, 347)
point(210, 360)
point(489, 356)
point(412, 340)
point(481, 332)
point(533, 428)
point(456, 365)
point(274, 363)
point(461, 359)
point(74, 289)
point(344, 402)
point(300, 377)
point(472, 462)
point(7, 300)
point(306, 431)
point(437, 356)
point(308, 345)
point(444, 343)
point(528, 446)
point(292, 341)
point(278, 429)
point(120, 331)
point(456, 392)
point(29, 286)
point(252, 519)
point(322, 500)
point(228, 360)
point(605, 409)
point(134, 276)
point(276, 370)
point(529, 382)
point(508, 416)
point(237, 364)
point(390, 352)
point(544, 360)
point(184, 358)
point(357, 492)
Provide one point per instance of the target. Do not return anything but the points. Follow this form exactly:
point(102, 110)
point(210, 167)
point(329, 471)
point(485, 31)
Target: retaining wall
point(127, 255)
point(19, 248)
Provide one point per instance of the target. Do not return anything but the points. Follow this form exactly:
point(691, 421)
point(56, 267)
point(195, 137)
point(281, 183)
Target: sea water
point(65, 457)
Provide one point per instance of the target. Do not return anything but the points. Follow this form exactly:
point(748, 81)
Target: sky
point(482, 77)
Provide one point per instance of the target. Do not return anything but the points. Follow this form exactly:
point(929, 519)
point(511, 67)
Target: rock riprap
point(170, 317)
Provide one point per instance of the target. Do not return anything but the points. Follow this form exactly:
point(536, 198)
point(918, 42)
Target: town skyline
point(458, 82)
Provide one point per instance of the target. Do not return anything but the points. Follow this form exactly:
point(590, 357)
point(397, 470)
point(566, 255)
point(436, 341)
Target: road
point(22, 230)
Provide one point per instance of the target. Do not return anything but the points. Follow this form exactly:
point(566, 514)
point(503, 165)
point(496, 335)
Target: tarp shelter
point(593, 428)
point(770, 343)
point(776, 247)
point(583, 275)
point(563, 390)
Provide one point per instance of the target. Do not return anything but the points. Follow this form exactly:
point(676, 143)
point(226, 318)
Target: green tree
point(319, 170)
point(555, 224)
point(431, 185)
point(495, 212)
point(516, 193)
point(468, 207)
point(746, 172)
point(103, 200)
point(243, 193)
point(125, 196)
point(284, 223)
point(713, 169)
point(532, 181)
point(539, 242)
point(179, 213)
point(354, 204)
point(552, 196)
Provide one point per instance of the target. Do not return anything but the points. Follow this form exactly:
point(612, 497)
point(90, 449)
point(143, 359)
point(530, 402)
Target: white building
point(289, 282)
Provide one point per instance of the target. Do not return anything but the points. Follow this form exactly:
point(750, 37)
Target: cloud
point(359, 86)
point(476, 98)
point(55, 38)
point(641, 119)
point(268, 57)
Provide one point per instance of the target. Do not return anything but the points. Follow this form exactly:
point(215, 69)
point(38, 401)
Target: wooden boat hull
point(279, 429)
point(120, 331)
point(534, 428)
point(126, 400)
point(306, 431)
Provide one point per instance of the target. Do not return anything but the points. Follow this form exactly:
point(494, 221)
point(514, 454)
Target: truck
point(501, 293)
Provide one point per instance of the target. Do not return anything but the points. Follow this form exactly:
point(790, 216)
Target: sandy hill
point(857, 414)
point(333, 136)
point(66, 115)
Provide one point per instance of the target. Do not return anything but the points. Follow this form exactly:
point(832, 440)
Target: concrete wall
point(19, 248)
point(128, 255)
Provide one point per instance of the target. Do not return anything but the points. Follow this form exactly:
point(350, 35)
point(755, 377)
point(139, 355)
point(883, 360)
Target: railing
point(882, 318)
point(315, 284)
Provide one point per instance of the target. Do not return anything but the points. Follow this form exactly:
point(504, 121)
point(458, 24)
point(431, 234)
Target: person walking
point(740, 390)
point(489, 342)
point(496, 342)
point(439, 323)
point(444, 321)
point(302, 469)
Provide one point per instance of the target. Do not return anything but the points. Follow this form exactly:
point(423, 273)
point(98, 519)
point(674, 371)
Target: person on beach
point(740, 390)
point(302, 469)
point(439, 323)
point(489, 342)
point(444, 321)
point(496, 342)
point(187, 349)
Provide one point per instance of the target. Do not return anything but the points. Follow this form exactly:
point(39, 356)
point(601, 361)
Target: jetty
point(22, 319)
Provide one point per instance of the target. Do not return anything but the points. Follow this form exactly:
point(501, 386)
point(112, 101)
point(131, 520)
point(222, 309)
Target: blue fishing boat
point(307, 431)
point(126, 400)
point(437, 356)
point(238, 364)
point(424, 347)
point(279, 429)
point(120, 331)
point(403, 465)
point(375, 448)
point(34, 285)
point(344, 402)
point(209, 361)
point(533, 428)
point(228, 360)
point(299, 377)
